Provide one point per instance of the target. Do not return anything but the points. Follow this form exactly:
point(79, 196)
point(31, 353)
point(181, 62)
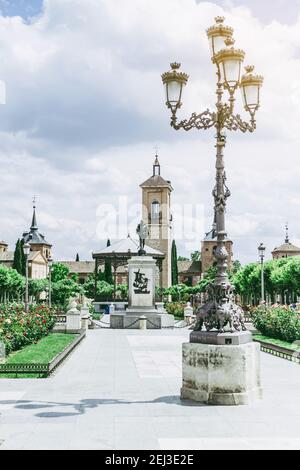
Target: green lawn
point(278, 342)
point(42, 352)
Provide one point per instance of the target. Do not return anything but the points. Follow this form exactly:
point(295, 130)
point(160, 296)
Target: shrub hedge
point(278, 322)
point(175, 308)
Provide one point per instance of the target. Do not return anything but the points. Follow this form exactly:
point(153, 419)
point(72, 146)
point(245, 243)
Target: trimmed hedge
point(278, 322)
point(18, 329)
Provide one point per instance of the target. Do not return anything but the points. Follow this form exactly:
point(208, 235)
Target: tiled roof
point(125, 246)
point(79, 267)
point(34, 238)
point(287, 247)
point(156, 180)
point(7, 256)
point(189, 267)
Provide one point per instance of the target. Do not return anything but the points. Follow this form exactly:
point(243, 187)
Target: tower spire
point(156, 165)
point(287, 238)
point(34, 222)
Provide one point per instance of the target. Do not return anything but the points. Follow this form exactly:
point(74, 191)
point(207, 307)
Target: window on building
point(155, 211)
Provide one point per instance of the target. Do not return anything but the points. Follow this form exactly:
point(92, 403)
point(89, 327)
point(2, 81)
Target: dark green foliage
point(18, 264)
point(23, 258)
point(59, 272)
point(282, 277)
point(11, 285)
point(196, 256)
point(104, 290)
point(108, 276)
point(174, 265)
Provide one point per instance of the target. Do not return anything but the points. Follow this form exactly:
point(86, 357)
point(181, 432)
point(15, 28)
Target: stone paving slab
point(120, 390)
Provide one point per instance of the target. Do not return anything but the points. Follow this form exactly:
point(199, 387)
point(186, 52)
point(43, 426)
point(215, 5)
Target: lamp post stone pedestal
point(221, 375)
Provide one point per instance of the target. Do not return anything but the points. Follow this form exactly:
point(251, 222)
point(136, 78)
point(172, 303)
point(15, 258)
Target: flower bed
point(18, 329)
point(278, 322)
point(176, 309)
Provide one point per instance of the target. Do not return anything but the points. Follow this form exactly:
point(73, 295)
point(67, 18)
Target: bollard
point(143, 323)
point(188, 313)
point(111, 309)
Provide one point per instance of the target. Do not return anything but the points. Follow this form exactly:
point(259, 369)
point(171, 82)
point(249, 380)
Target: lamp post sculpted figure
point(220, 309)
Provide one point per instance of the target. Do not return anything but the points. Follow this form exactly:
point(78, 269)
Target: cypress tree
point(23, 258)
point(108, 276)
point(77, 258)
point(17, 264)
point(174, 265)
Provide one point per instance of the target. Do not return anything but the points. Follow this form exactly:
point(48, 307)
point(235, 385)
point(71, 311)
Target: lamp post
point(50, 264)
point(261, 253)
point(220, 309)
point(26, 249)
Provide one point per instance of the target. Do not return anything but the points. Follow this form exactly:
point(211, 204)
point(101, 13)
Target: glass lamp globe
point(230, 61)
point(250, 88)
point(217, 35)
point(174, 81)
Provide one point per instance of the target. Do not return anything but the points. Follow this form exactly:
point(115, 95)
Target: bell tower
point(156, 203)
point(36, 239)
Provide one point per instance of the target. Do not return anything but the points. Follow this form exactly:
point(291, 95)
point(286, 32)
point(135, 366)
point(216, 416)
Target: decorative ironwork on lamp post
point(261, 253)
point(26, 249)
point(220, 308)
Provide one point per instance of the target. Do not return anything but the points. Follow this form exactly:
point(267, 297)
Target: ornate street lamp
point(50, 264)
point(26, 249)
point(220, 309)
point(261, 254)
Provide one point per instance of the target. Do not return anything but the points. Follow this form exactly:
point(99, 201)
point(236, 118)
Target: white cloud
point(85, 108)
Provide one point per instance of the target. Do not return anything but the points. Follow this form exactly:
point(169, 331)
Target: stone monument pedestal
point(141, 291)
point(224, 373)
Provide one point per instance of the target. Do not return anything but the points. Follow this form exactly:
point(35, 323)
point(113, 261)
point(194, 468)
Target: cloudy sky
point(84, 110)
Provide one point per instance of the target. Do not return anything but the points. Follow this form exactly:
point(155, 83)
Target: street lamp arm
point(204, 120)
point(235, 122)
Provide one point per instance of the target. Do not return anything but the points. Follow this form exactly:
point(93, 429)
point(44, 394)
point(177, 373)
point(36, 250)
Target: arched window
point(155, 211)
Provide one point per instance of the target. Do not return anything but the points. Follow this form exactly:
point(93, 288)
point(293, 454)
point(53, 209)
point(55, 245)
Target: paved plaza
point(120, 390)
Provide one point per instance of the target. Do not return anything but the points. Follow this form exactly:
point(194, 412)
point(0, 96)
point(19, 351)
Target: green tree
point(281, 278)
point(104, 290)
point(17, 263)
point(174, 265)
point(182, 258)
point(196, 255)
point(108, 276)
point(59, 272)
point(11, 285)
point(23, 258)
point(236, 266)
point(77, 258)
point(36, 287)
point(63, 290)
